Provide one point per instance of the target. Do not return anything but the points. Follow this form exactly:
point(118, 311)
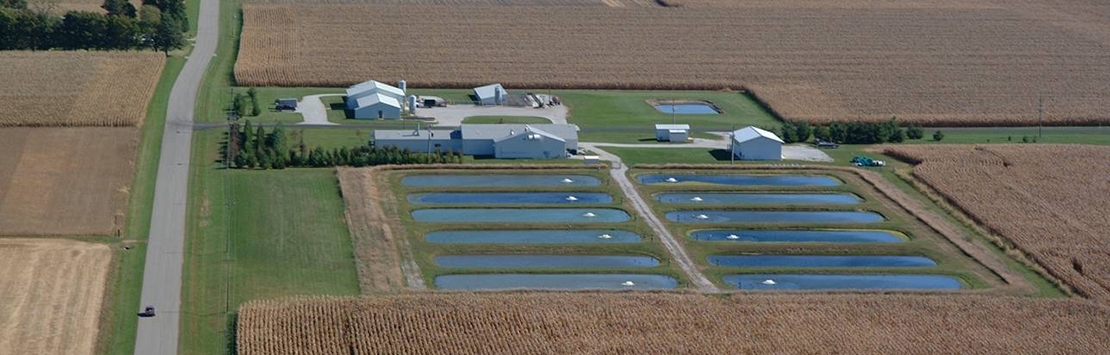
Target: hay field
point(1050, 201)
point(51, 292)
point(672, 323)
point(75, 88)
point(940, 63)
point(65, 181)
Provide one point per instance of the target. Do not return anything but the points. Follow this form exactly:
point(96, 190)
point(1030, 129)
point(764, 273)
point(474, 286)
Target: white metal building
point(503, 141)
point(377, 106)
point(751, 143)
point(367, 88)
point(672, 132)
point(492, 94)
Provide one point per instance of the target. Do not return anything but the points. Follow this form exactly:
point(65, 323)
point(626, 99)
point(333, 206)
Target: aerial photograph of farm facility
point(318, 177)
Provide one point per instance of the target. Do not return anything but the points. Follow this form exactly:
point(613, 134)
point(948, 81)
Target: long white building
point(503, 141)
point(752, 143)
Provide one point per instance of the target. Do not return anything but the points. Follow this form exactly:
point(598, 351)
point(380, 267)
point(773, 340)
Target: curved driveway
point(166, 242)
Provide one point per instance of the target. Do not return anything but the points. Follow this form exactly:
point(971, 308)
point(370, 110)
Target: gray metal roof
point(528, 129)
point(748, 133)
point(374, 99)
point(496, 131)
point(671, 127)
point(374, 86)
point(413, 134)
point(488, 91)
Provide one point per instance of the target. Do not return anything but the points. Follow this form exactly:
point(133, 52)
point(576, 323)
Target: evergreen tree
point(122, 33)
point(14, 4)
point(83, 30)
point(119, 8)
point(938, 136)
point(788, 132)
point(802, 132)
point(838, 132)
point(915, 132)
point(167, 34)
point(821, 132)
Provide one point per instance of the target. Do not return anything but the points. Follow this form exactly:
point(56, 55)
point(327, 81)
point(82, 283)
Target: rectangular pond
point(686, 109)
point(755, 199)
point(510, 198)
point(842, 282)
point(532, 236)
point(822, 261)
point(743, 180)
point(478, 282)
point(520, 215)
point(797, 236)
point(545, 261)
point(500, 180)
point(774, 217)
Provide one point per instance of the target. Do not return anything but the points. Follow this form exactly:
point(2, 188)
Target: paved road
point(162, 273)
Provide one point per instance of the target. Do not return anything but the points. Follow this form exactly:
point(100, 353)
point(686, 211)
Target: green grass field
point(257, 235)
point(505, 119)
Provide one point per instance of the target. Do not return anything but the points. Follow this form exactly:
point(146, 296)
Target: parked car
point(147, 312)
point(285, 104)
point(827, 144)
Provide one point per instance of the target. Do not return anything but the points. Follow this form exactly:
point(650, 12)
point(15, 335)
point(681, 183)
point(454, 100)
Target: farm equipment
point(867, 161)
point(827, 144)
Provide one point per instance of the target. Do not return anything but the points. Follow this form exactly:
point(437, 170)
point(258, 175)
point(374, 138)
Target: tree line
point(158, 24)
point(253, 148)
point(854, 132)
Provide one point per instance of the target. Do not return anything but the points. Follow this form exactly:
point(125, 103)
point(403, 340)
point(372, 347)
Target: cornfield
point(1050, 201)
point(942, 65)
point(672, 323)
point(76, 88)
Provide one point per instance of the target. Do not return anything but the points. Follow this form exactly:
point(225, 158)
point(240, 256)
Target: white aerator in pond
point(572, 198)
point(768, 282)
point(604, 236)
point(701, 216)
point(671, 179)
point(589, 214)
point(628, 283)
point(732, 236)
point(567, 181)
point(696, 199)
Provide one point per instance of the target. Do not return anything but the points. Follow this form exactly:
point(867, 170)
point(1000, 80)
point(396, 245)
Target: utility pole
point(732, 146)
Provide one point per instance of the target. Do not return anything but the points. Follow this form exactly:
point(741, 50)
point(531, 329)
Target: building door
point(380, 114)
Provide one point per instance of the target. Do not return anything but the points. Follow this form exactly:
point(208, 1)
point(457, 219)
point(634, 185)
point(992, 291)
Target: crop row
point(77, 88)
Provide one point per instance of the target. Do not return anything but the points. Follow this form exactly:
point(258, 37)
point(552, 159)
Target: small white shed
point(378, 106)
point(493, 94)
point(751, 143)
point(672, 132)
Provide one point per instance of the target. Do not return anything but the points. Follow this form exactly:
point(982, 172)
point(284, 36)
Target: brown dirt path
point(380, 268)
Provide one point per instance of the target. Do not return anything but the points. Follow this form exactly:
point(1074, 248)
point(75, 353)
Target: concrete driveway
point(452, 116)
point(313, 110)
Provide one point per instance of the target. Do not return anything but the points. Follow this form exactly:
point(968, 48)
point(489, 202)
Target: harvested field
point(671, 323)
point(75, 88)
point(87, 5)
point(1049, 201)
point(376, 243)
point(51, 292)
point(65, 181)
point(940, 63)
point(610, 3)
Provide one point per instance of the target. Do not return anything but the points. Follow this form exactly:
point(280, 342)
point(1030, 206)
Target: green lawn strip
point(505, 119)
point(988, 135)
point(125, 287)
point(287, 237)
point(645, 136)
point(922, 241)
point(617, 108)
point(425, 252)
point(214, 94)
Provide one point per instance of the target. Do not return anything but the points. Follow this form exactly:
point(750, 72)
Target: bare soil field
point(75, 88)
point(672, 323)
point(51, 292)
point(65, 181)
point(1050, 201)
point(940, 63)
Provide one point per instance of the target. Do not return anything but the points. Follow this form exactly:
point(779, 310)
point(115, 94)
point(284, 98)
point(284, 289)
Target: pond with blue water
point(478, 282)
point(822, 261)
point(752, 199)
point(545, 261)
point(510, 198)
point(520, 215)
point(797, 236)
point(774, 217)
point(687, 109)
point(499, 180)
point(741, 180)
point(842, 282)
point(532, 236)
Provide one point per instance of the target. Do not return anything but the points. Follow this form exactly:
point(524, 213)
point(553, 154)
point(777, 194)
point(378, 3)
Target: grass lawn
point(330, 138)
point(1051, 135)
point(257, 235)
point(629, 109)
point(505, 119)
